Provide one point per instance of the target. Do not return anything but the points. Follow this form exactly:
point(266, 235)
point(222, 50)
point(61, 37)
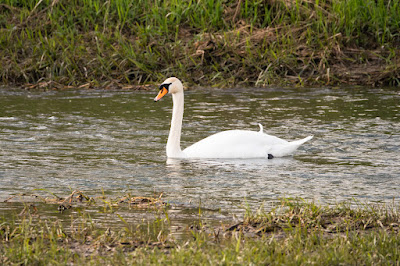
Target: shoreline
point(251, 44)
point(293, 230)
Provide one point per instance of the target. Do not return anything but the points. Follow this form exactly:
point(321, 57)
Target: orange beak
point(161, 94)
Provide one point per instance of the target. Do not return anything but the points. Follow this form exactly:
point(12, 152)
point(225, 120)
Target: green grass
point(210, 42)
point(294, 232)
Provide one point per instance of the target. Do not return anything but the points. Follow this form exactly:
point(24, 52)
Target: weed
point(225, 43)
point(292, 232)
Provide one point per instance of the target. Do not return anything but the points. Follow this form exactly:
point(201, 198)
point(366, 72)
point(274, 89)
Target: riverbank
point(125, 44)
point(292, 232)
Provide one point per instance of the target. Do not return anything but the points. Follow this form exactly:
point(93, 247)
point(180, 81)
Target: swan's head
point(170, 85)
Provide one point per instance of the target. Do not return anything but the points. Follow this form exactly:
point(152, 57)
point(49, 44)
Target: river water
point(113, 142)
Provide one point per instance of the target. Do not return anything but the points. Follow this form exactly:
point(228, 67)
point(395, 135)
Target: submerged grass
point(58, 43)
point(294, 232)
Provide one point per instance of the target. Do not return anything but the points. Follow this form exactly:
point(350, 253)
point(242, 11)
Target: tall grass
point(363, 19)
point(255, 43)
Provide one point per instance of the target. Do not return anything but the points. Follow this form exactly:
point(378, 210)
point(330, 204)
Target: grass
point(294, 232)
point(54, 43)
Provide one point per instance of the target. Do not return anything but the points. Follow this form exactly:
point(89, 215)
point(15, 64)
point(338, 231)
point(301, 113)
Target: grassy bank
point(56, 43)
point(294, 232)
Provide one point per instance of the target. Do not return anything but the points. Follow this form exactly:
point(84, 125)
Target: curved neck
point(174, 138)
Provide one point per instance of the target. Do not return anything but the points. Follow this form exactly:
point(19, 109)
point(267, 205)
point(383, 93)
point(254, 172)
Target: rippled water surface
point(115, 141)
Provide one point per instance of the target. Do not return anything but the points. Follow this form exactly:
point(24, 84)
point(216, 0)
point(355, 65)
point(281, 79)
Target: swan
point(225, 144)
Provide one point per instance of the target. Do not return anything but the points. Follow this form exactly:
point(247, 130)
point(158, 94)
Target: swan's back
point(241, 144)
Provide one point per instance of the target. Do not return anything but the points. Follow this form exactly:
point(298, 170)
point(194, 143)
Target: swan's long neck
point(174, 138)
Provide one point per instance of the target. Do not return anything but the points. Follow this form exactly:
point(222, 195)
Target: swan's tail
point(301, 141)
point(287, 148)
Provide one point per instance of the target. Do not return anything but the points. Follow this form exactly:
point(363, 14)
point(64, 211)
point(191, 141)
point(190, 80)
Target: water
point(115, 141)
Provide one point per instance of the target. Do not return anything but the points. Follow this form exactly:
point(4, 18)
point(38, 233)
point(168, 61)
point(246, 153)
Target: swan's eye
point(165, 86)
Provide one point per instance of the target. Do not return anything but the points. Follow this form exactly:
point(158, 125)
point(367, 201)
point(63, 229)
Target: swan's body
point(242, 144)
point(226, 144)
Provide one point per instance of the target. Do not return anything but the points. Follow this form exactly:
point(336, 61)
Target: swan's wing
point(234, 144)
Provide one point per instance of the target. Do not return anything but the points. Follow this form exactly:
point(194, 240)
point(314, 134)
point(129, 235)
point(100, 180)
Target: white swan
point(226, 144)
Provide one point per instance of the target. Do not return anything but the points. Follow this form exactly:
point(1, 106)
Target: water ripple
point(115, 141)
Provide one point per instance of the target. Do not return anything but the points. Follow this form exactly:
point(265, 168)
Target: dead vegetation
point(79, 198)
point(308, 217)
